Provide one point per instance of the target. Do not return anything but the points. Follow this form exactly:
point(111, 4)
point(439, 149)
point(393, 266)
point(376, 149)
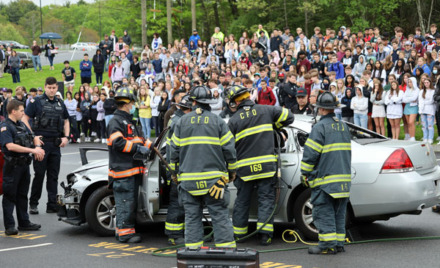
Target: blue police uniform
point(16, 174)
point(48, 121)
point(327, 165)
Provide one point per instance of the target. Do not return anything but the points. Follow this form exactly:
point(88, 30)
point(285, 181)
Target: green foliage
point(100, 17)
point(9, 32)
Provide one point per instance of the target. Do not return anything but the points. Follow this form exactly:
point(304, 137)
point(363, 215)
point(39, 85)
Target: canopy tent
point(50, 36)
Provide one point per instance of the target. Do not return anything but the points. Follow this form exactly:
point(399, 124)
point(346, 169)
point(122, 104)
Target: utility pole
point(41, 19)
point(169, 26)
point(193, 14)
point(100, 33)
point(144, 21)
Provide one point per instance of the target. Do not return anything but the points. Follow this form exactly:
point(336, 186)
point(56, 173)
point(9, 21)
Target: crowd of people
point(382, 79)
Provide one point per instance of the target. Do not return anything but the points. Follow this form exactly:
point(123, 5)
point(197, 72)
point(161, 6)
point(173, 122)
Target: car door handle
point(287, 163)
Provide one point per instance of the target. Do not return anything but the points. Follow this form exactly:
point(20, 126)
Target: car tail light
point(398, 162)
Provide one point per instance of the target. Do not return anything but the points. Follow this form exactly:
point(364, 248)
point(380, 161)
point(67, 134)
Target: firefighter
point(125, 174)
point(202, 153)
point(326, 169)
point(253, 126)
point(176, 217)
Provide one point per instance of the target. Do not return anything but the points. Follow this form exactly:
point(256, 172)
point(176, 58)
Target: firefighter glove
point(218, 189)
point(304, 181)
point(143, 150)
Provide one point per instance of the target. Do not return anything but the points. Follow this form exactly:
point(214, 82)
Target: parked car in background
point(25, 60)
point(13, 44)
point(83, 46)
point(389, 178)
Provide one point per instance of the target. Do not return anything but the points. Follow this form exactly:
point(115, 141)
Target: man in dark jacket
point(125, 174)
point(275, 41)
point(288, 91)
point(106, 46)
point(126, 38)
point(98, 66)
point(303, 106)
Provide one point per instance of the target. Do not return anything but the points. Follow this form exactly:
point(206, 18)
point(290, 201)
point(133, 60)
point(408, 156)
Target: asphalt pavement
point(58, 244)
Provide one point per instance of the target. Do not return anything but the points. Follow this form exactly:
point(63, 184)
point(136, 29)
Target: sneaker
point(318, 250)
point(430, 141)
point(11, 231)
point(425, 140)
point(176, 241)
point(30, 227)
point(93, 134)
point(104, 141)
point(78, 140)
point(265, 240)
point(33, 210)
point(82, 134)
point(438, 138)
point(136, 238)
point(97, 141)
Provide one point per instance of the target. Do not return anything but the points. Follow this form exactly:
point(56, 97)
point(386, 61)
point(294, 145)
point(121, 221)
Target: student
point(85, 110)
point(101, 118)
point(427, 109)
point(393, 100)
point(359, 105)
point(410, 98)
point(377, 98)
point(145, 111)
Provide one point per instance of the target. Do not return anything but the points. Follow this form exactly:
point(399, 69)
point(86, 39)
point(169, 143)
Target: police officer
point(17, 143)
point(125, 173)
point(302, 106)
point(202, 152)
point(253, 126)
point(175, 217)
point(326, 168)
point(50, 120)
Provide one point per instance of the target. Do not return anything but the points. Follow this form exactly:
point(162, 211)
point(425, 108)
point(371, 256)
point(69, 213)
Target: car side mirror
point(302, 138)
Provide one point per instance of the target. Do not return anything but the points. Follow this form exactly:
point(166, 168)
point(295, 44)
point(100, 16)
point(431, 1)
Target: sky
point(50, 2)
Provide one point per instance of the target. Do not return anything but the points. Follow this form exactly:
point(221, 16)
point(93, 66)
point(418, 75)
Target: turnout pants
point(218, 209)
point(175, 222)
point(329, 217)
point(126, 192)
point(16, 181)
point(50, 166)
point(266, 198)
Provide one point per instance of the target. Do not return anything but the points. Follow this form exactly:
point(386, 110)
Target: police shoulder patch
point(3, 129)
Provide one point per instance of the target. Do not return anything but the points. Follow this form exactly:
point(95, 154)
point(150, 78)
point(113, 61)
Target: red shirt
point(266, 97)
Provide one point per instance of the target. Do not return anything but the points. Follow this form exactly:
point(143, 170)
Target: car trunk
point(421, 154)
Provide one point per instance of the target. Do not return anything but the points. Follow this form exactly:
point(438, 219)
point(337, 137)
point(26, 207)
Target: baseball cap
point(301, 92)
point(257, 74)
point(194, 30)
point(39, 89)
point(407, 43)
point(430, 36)
point(281, 75)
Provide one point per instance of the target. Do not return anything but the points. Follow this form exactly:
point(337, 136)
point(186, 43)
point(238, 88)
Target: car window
point(364, 136)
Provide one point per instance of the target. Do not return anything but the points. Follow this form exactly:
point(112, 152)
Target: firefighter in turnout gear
point(202, 153)
point(174, 224)
point(125, 174)
point(253, 126)
point(326, 169)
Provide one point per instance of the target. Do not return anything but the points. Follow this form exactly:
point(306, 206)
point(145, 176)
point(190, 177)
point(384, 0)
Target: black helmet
point(125, 93)
point(185, 102)
point(201, 94)
point(235, 91)
point(327, 100)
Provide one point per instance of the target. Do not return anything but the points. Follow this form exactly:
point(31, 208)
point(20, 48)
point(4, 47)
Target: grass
point(29, 78)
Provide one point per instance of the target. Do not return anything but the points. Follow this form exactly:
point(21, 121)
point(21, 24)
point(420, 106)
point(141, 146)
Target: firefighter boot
point(318, 250)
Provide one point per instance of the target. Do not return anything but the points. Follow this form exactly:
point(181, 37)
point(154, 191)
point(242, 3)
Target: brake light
point(398, 162)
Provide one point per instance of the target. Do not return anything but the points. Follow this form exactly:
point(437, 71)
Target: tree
point(422, 7)
point(169, 25)
point(193, 14)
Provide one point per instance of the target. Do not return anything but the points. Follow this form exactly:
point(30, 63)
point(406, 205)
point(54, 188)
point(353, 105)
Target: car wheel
point(100, 212)
point(302, 212)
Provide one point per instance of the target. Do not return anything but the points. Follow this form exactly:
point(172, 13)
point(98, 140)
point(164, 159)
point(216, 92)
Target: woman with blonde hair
point(378, 114)
point(393, 100)
point(410, 98)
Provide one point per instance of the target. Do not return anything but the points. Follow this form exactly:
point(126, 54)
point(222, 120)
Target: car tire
point(100, 212)
point(302, 212)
